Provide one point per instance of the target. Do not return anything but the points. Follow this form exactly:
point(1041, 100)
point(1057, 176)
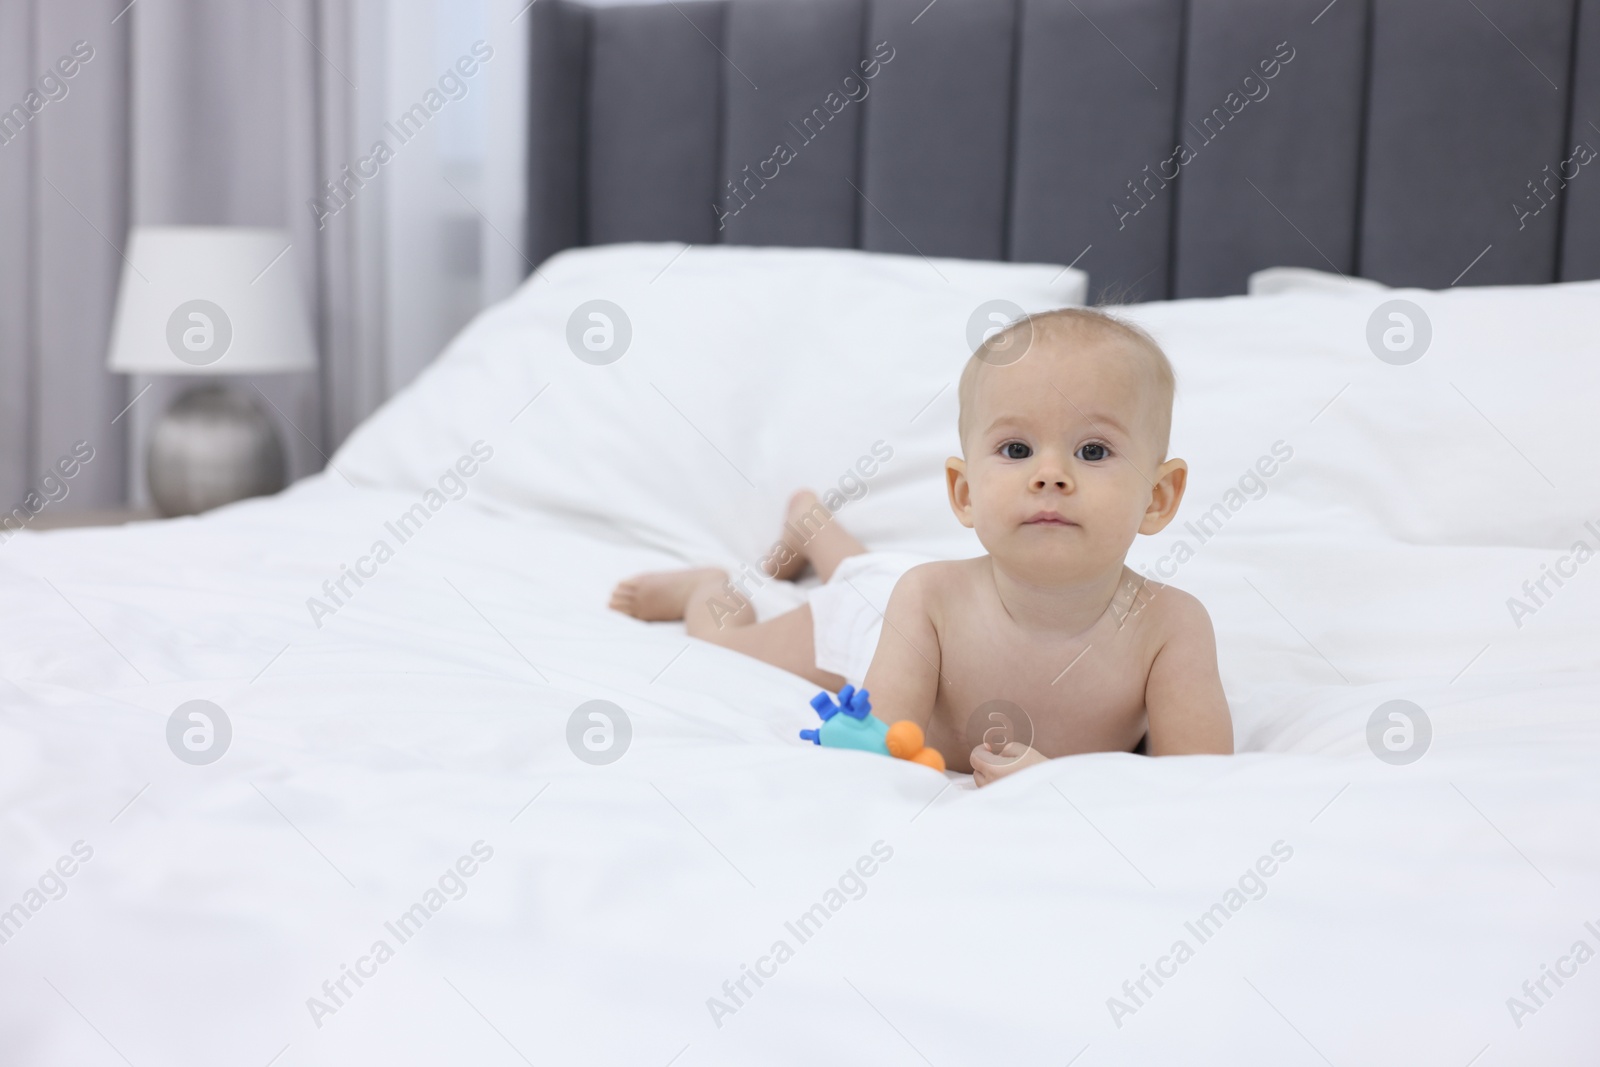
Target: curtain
point(453, 196)
point(63, 216)
point(246, 112)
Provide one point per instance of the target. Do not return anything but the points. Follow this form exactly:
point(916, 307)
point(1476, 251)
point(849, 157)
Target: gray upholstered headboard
point(1417, 142)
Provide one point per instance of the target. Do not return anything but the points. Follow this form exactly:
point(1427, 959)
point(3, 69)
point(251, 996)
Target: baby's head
point(1064, 422)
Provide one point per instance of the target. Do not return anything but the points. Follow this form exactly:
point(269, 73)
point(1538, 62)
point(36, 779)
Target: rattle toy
point(851, 724)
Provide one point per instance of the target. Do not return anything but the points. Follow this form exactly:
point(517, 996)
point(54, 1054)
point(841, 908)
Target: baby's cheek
point(1125, 505)
point(989, 504)
point(990, 534)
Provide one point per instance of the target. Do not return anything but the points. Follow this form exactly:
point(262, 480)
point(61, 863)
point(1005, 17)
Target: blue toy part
point(849, 723)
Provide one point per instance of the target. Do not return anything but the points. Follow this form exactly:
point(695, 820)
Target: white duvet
point(399, 858)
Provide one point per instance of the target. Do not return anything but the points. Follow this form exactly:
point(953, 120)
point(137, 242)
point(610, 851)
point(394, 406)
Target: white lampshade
point(210, 300)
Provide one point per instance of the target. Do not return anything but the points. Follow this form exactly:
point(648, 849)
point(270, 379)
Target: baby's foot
point(663, 595)
point(805, 517)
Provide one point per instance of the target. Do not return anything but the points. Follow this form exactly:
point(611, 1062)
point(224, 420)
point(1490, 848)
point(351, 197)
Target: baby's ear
point(955, 477)
point(1172, 477)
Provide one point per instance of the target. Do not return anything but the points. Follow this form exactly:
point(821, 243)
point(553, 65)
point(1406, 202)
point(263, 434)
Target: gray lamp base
point(212, 447)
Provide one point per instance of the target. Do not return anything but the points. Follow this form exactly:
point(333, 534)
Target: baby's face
point(1063, 463)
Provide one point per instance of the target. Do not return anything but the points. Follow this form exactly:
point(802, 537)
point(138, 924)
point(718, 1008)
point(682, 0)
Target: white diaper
point(847, 612)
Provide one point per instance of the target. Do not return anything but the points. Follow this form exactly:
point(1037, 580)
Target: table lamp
point(211, 300)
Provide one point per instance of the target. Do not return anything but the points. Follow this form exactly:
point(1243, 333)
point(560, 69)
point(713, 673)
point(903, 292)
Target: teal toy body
point(849, 723)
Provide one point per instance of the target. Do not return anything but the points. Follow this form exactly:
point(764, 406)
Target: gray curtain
point(189, 112)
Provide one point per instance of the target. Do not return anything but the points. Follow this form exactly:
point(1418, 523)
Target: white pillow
point(1488, 437)
point(1362, 524)
point(750, 372)
point(1276, 280)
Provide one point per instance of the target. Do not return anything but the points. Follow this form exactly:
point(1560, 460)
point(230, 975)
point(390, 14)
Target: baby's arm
point(904, 677)
point(1188, 713)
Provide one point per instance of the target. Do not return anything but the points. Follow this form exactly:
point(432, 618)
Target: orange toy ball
point(929, 757)
point(904, 739)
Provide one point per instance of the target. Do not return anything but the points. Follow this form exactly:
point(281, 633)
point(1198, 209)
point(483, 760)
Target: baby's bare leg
point(663, 595)
point(714, 607)
point(812, 533)
point(712, 611)
point(712, 614)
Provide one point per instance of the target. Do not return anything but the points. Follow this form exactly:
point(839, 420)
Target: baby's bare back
point(1061, 695)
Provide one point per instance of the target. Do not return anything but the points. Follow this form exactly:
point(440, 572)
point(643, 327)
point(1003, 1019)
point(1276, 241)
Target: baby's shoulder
point(1168, 610)
point(938, 582)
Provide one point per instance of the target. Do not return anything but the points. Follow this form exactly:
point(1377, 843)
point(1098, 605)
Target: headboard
point(1168, 147)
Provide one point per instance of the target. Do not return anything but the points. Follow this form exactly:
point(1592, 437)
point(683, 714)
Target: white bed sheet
point(429, 713)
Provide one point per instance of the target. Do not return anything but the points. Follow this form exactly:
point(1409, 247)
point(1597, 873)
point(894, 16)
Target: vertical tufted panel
point(794, 80)
point(557, 77)
point(1097, 95)
point(937, 142)
point(1468, 104)
point(655, 100)
point(18, 328)
point(1276, 161)
point(1417, 142)
point(1580, 239)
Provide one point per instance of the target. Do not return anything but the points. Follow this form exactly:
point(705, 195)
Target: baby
point(1047, 646)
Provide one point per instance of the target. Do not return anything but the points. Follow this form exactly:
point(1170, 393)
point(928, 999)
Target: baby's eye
point(1093, 452)
point(1015, 450)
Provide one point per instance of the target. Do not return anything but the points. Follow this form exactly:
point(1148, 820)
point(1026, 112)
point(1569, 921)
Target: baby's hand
point(990, 766)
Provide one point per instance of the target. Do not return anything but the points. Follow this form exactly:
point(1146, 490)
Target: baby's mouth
point(1049, 518)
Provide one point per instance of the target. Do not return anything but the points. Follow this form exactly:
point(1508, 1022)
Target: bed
point(388, 837)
